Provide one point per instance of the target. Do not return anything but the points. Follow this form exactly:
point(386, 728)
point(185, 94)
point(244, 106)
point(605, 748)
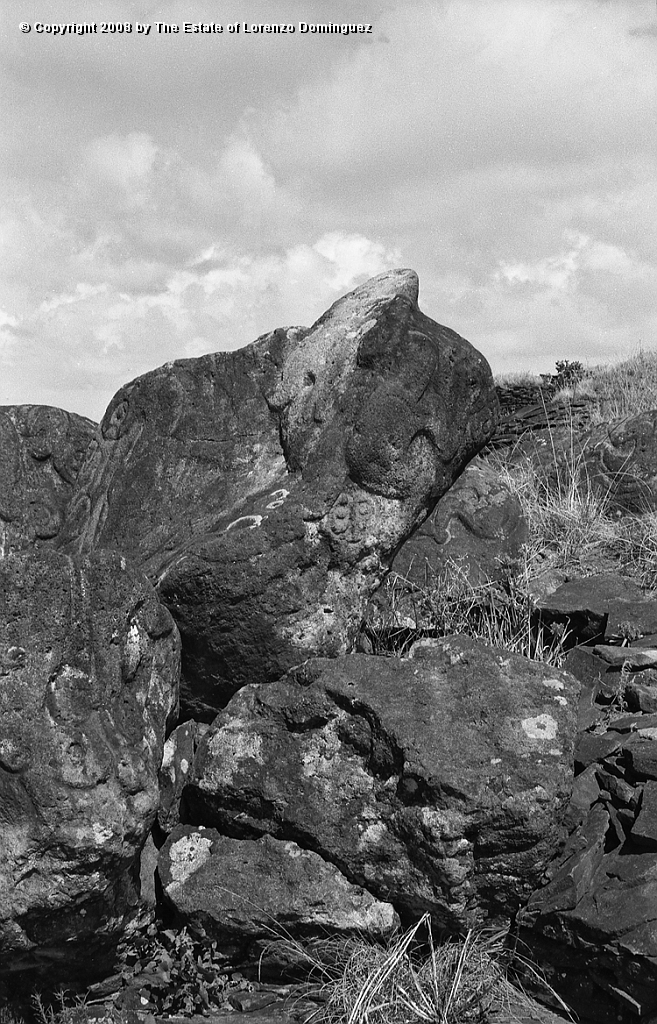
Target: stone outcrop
point(266, 491)
point(89, 669)
point(475, 532)
point(41, 450)
point(436, 782)
point(262, 899)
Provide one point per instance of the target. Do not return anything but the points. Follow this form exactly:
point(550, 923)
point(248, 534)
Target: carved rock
point(89, 668)
point(41, 450)
point(475, 530)
point(248, 895)
point(267, 490)
point(437, 782)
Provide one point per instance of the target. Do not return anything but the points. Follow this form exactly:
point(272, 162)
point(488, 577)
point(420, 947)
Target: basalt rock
point(262, 900)
point(41, 450)
point(475, 533)
point(607, 607)
point(89, 669)
point(266, 491)
point(437, 782)
point(593, 925)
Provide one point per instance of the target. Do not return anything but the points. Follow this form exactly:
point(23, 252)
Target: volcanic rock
point(474, 533)
point(253, 896)
point(267, 490)
point(89, 669)
point(41, 450)
point(438, 782)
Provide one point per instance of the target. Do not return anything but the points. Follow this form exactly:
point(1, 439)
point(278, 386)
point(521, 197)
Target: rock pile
point(265, 493)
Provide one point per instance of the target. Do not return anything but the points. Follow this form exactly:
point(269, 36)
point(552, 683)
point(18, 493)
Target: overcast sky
point(166, 195)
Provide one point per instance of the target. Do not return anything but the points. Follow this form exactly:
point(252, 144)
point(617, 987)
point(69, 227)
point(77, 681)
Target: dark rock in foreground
point(89, 669)
point(41, 451)
point(250, 895)
point(437, 782)
point(267, 490)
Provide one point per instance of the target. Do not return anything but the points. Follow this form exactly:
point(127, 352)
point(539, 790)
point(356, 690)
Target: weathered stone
point(633, 618)
point(628, 657)
point(586, 792)
point(597, 933)
point(641, 696)
point(477, 525)
point(267, 490)
point(179, 752)
point(591, 747)
point(644, 830)
point(41, 450)
point(88, 686)
point(439, 782)
point(476, 530)
point(641, 752)
point(253, 896)
point(620, 462)
point(583, 605)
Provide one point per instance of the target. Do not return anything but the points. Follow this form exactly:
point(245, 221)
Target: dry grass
point(463, 981)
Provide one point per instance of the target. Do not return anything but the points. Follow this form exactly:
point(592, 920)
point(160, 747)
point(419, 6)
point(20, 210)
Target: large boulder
point(266, 491)
point(438, 782)
point(89, 669)
point(262, 900)
point(41, 451)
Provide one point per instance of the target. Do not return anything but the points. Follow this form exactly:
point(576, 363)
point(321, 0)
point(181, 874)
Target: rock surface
point(89, 667)
point(267, 490)
point(476, 529)
point(593, 926)
point(178, 758)
point(249, 895)
point(606, 607)
point(438, 782)
point(41, 450)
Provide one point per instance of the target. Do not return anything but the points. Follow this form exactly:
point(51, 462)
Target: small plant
point(177, 974)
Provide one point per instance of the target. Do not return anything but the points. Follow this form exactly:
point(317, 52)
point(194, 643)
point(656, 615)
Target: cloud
point(166, 196)
point(95, 333)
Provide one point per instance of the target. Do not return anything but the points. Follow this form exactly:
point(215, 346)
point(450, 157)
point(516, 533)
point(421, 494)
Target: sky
point(164, 195)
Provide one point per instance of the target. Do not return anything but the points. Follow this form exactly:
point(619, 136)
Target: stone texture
point(476, 530)
point(88, 685)
point(247, 895)
point(593, 924)
point(620, 462)
point(584, 606)
point(41, 450)
point(179, 752)
point(267, 490)
point(478, 524)
point(439, 782)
